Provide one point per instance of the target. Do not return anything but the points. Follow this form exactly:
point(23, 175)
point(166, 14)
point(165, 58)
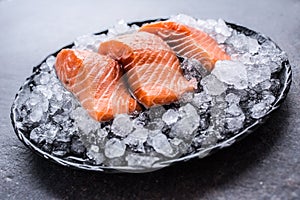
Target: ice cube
point(193, 69)
point(59, 152)
point(114, 148)
point(206, 140)
point(265, 85)
point(156, 124)
point(36, 114)
point(246, 58)
point(161, 145)
point(234, 115)
point(50, 133)
point(179, 145)
point(232, 98)
point(278, 58)
point(222, 30)
point(44, 67)
point(136, 160)
point(84, 122)
point(36, 134)
point(86, 42)
point(259, 110)
point(50, 61)
point(234, 110)
point(141, 120)
point(122, 125)
point(101, 135)
point(200, 98)
point(231, 72)
point(253, 45)
point(184, 19)
point(235, 123)
point(63, 136)
point(212, 85)
point(170, 117)
point(274, 67)
point(120, 27)
point(183, 129)
point(34, 100)
point(186, 126)
point(136, 139)
point(94, 154)
point(44, 78)
point(188, 111)
point(207, 26)
point(44, 90)
point(239, 41)
point(156, 112)
point(186, 97)
point(77, 147)
point(258, 74)
point(268, 98)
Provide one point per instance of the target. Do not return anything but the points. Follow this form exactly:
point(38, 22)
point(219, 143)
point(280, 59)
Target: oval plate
point(78, 163)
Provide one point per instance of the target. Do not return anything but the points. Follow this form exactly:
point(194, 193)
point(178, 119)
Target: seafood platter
point(141, 96)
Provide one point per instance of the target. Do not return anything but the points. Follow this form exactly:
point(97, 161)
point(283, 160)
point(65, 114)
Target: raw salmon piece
point(188, 42)
point(96, 81)
point(152, 68)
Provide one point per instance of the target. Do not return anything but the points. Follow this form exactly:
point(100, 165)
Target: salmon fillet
point(152, 68)
point(188, 42)
point(96, 81)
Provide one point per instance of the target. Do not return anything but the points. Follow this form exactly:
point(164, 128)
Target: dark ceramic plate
point(285, 76)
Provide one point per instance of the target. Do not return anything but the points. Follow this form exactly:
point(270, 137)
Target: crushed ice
point(234, 92)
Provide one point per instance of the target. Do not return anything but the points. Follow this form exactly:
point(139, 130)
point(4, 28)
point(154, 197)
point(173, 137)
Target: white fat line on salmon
point(165, 33)
point(116, 85)
point(189, 47)
point(84, 89)
point(83, 70)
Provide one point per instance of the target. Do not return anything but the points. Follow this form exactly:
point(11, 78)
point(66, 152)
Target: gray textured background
point(265, 165)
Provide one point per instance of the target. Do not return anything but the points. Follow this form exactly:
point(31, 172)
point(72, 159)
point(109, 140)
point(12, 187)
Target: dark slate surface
point(265, 165)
